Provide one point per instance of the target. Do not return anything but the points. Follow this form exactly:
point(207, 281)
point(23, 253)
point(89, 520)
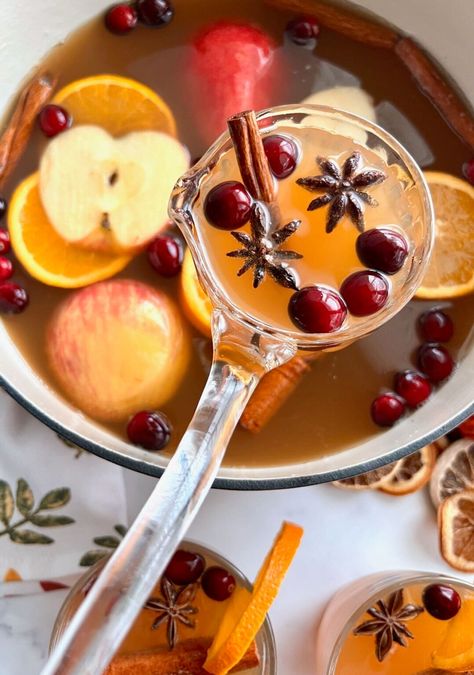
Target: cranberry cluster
point(124, 17)
point(13, 297)
point(187, 567)
point(413, 387)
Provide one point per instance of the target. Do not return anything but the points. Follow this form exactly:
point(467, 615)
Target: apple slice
point(109, 194)
point(118, 347)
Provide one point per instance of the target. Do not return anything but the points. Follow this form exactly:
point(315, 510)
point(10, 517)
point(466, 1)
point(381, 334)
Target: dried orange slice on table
point(117, 104)
point(412, 473)
point(456, 652)
point(454, 471)
point(247, 610)
point(44, 254)
point(456, 528)
point(369, 480)
point(450, 272)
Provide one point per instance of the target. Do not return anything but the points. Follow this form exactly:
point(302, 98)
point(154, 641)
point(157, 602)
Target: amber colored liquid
point(358, 652)
point(330, 410)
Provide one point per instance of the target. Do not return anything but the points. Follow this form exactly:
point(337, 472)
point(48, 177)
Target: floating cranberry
point(382, 249)
point(54, 119)
point(435, 361)
point(3, 207)
point(13, 298)
point(165, 255)
point(317, 309)
point(365, 292)
point(121, 19)
point(387, 409)
point(4, 240)
point(413, 387)
point(468, 170)
point(303, 30)
point(6, 268)
point(156, 13)
point(185, 567)
point(435, 326)
point(227, 206)
point(217, 583)
point(282, 155)
point(149, 429)
point(441, 601)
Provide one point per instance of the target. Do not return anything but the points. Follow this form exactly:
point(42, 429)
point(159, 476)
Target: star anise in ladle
point(261, 249)
point(344, 190)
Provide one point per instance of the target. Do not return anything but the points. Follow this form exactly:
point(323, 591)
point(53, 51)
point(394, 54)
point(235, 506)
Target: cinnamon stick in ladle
point(277, 385)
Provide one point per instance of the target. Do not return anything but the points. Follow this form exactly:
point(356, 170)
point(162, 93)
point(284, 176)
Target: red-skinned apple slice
point(109, 194)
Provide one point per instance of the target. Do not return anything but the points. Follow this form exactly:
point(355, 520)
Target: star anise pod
point(344, 190)
point(174, 607)
point(388, 623)
point(261, 249)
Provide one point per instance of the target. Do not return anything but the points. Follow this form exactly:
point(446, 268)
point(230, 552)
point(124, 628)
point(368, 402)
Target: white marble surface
point(346, 535)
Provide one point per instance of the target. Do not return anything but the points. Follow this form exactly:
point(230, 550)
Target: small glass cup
point(265, 640)
point(349, 604)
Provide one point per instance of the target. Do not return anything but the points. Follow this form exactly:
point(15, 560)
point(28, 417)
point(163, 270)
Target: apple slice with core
point(109, 194)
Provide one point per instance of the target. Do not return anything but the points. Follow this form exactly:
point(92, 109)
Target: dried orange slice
point(246, 611)
point(456, 529)
point(194, 300)
point(450, 271)
point(369, 480)
point(456, 652)
point(467, 427)
point(413, 472)
point(44, 254)
point(117, 104)
point(454, 471)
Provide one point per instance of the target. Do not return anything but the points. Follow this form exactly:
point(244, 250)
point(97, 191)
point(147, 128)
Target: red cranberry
point(121, 19)
point(6, 268)
point(413, 387)
point(4, 240)
point(53, 120)
point(468, 170)
point(435, 326)
point(387, 409)
point(3, 207)
point(149, 429)
point(13, 298)
point(281, 153)
point(365, 292)
point(185, 567)
point(303, 30)
point(435, 361)
point(217, 583)
point(382, 249)
point(317, 309)
point(166, 256)
point(441, 601)
point(157, 13)
point(227, 206)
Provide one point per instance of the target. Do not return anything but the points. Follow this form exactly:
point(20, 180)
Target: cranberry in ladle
point(185, 567)
point(365, 292)
point(218, 583)
point(441, 601)
point(382, 249)
point(317, 309)
point(282, 155)
point(227, 206)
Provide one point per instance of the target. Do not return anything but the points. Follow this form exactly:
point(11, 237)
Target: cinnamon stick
point(17, 133)
point(437, 89)
point(334, 17)
point(187, 658)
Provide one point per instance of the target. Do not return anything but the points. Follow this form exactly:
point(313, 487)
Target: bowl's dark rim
point(238, 483)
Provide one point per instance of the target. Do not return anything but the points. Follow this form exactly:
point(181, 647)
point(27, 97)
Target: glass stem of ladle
point(97, 630)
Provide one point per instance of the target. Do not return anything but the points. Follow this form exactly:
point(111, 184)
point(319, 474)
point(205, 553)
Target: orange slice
point(117, 104)
point(194, 300)
point(44, 254)
point(454, 471)
point(456, 529)
point(450, 271)
point(456, 653)
point(413, 472)
point(369, 480)
point(246, 611)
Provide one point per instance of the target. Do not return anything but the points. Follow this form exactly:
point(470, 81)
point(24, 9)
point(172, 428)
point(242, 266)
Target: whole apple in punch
point(117, 347)
point(108, 193)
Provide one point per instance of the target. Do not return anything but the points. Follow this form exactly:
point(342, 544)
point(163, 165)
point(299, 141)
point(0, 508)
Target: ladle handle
point(105, 616)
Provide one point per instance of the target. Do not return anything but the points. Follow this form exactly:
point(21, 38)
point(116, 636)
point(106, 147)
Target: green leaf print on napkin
point(25, 502)
point(109, 542)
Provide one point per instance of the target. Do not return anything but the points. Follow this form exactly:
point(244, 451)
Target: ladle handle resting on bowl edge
point(106, 614)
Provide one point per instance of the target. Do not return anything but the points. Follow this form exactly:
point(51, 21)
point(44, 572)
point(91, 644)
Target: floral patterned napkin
point(61, 508)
